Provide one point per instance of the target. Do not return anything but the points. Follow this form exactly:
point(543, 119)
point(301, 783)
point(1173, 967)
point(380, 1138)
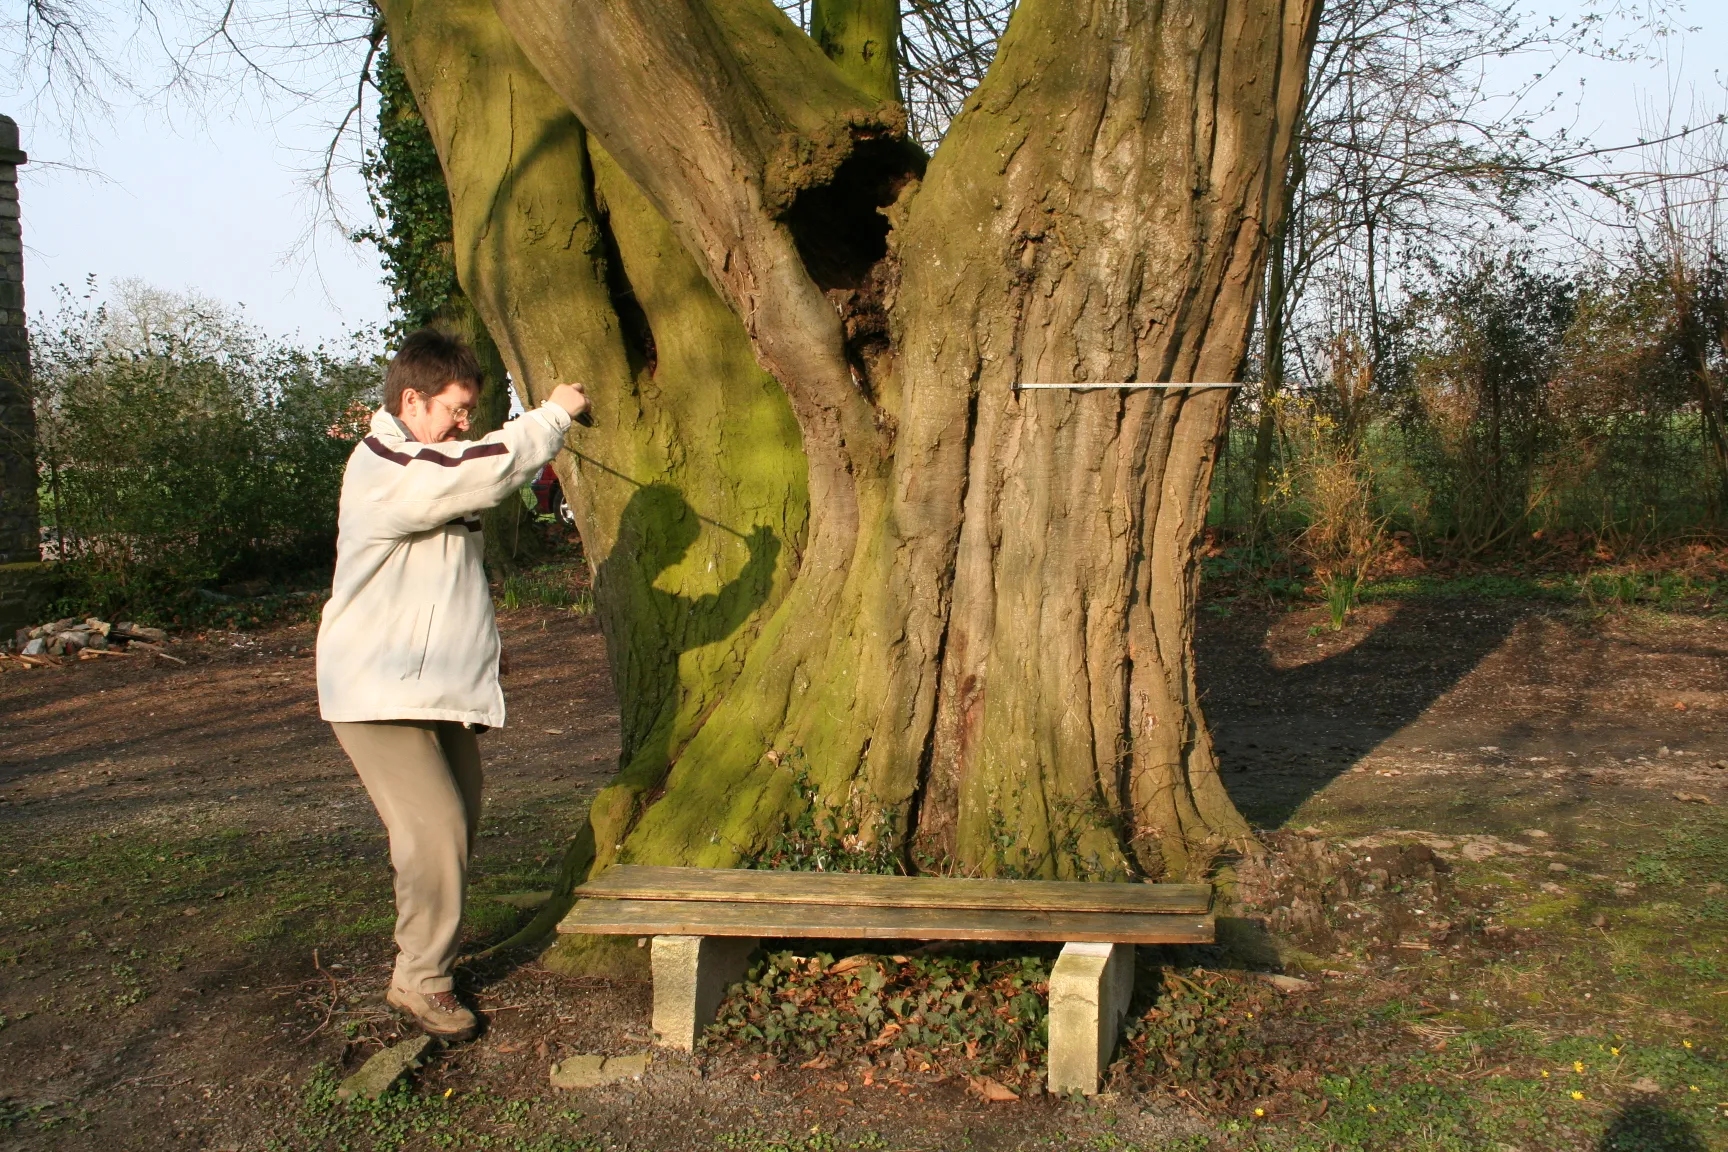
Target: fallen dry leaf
point(1693, 798)
point(992, 1090)
point(848, 964)
point(818, 1062)
point(884, 1036)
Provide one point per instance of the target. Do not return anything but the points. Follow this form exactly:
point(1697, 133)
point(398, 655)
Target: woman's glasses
point(459, 414)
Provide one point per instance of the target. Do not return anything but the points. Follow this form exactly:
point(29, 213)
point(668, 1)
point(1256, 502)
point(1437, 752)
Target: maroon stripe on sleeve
point(477, 452)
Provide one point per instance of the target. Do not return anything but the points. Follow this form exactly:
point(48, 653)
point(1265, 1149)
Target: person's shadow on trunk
point(649, 630)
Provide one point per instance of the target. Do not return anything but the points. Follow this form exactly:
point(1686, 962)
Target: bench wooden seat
point(745, 885)
point(636, 900)
point(705, 922)
point(709, 918)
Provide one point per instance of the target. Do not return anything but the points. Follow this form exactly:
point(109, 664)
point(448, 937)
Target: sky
point(215, 198)
point(223, 209)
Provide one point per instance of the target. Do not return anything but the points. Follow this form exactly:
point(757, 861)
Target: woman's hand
point(572, 399)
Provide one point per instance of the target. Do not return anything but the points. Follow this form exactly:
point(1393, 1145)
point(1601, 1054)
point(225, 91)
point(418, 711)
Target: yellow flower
point(1613, 1051)
point(1688, 1043)
point(1259, 1111)
point(1577, 1065)
point(1577, 1095)
point(447, 1092)
point(1371, 1108)
point(1694, 1087)
point(1544, 1074)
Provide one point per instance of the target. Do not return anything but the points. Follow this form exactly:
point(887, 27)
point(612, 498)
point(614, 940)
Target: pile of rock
point(72, 637)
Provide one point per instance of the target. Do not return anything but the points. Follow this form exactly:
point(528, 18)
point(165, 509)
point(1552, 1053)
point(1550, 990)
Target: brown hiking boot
point(440, 1014)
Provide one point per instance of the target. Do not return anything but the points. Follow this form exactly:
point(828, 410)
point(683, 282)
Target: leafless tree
point(1413, 148)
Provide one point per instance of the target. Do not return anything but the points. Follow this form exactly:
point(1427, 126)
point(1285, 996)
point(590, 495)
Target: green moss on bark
point(414, 235)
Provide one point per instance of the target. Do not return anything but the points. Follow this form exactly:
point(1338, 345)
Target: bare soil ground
point(1499, 857)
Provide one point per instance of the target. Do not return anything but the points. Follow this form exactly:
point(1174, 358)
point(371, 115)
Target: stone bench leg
point(691, 975)
point(1089, 992)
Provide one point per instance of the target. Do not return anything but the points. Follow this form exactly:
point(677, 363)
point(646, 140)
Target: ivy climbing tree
point(842, 560)
point(413, 233)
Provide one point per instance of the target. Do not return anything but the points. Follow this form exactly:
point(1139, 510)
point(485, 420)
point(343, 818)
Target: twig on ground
point(335, 999)
point(155, 651)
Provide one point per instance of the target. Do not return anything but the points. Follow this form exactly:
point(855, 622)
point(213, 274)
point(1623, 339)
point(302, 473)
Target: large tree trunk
point(832, 538)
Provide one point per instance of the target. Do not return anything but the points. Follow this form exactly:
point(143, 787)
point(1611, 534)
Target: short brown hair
point(428, 362)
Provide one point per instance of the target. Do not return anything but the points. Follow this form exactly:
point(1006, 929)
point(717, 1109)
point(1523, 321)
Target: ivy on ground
point(1215, 1042)
point(974, 1013)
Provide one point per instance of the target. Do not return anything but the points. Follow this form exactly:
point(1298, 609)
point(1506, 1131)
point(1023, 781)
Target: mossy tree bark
point(831, 535)
point(406, 182)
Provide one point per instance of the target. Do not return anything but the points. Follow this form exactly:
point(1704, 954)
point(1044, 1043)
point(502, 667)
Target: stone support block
point(1089, 992)
point(691, 975)
point(385, 1068)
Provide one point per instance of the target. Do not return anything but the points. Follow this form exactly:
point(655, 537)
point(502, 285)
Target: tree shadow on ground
point(1647, 1126)
point(1291, 712)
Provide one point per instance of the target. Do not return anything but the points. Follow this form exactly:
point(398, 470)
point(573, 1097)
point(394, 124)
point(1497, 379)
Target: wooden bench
point(705, 923)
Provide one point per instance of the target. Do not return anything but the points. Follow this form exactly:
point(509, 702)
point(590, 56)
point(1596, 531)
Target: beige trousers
point(424, 779)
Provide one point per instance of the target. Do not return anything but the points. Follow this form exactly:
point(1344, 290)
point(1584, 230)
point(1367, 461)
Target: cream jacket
point(408, 633)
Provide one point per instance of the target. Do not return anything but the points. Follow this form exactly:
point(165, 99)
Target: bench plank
point(762, 919)
point(742, 885)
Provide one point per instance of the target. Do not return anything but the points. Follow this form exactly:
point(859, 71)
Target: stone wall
point(26, 584)
point(19, 539)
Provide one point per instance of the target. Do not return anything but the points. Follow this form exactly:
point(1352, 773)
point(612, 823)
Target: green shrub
point(179, 447)
point(562, 586)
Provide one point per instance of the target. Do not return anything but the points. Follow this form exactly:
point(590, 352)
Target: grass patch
point(562, 586)
point(407, 1116)
point(815, 1140)
point(140, 903)
point(1369, 1088)
point(1693, 854)
point(1261, 576)
point(1488, 585)
point(1509, 1087)
point(229, 886)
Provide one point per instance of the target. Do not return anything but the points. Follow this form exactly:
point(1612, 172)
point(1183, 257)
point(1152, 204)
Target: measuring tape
point(1095, 387)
